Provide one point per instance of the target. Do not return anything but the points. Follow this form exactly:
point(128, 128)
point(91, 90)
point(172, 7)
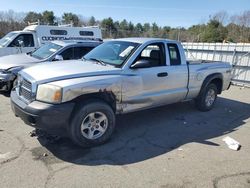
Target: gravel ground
point(172, 146)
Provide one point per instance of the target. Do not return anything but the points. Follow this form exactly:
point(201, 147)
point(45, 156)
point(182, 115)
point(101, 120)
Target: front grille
point(25, 89)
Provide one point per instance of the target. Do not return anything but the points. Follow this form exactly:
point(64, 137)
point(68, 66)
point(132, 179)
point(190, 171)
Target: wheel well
point(218, 83)
point(107, 97)
point(216, 79)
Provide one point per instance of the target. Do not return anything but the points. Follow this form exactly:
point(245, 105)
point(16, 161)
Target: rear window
point(86, 33)
point(174, 54)
point(58, 32)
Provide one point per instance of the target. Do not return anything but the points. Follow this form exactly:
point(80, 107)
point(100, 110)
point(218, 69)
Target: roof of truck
point(73, 42)
point(35, 27)
point(143, 39)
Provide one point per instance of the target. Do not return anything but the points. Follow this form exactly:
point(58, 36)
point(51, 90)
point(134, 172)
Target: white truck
point(34, 36)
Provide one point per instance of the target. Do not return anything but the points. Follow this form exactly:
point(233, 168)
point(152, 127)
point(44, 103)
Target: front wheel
point(93, 124)
point(206, 99)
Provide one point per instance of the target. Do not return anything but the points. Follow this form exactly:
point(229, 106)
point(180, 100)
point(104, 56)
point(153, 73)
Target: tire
point(207, 97)
point(92, 124)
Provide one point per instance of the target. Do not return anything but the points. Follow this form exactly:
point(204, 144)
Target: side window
point(68, 54)
point(174, 54)
point(79, 52)
point(86, 33)
point(154, 53)
point(58, 32)
point(23, 40)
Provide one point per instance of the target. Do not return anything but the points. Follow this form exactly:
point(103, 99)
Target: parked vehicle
point(53, 51)
point(117, 77)
point(34, 36)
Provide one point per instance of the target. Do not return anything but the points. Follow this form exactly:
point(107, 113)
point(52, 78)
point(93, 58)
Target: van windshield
point(7, 38)
point(112, 52)
point(46, 50)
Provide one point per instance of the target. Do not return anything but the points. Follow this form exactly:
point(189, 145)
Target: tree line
point(221, 27)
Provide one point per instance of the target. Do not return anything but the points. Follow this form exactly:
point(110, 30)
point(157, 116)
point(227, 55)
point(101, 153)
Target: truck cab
point(33, 36)
point(18, 42)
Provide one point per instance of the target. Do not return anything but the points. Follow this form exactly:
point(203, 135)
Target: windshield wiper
point(98, 61)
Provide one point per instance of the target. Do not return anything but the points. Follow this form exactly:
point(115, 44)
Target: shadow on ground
point(147, 134)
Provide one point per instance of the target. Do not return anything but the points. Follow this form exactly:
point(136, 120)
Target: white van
point(34, 36)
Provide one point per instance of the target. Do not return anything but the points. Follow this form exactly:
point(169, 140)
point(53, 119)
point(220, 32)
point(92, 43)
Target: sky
point(174, 13)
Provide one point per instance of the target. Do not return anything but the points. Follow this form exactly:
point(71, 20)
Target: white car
point(53, 51)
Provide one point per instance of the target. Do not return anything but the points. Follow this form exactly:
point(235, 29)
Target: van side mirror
point(143, 63)
point(58, 58)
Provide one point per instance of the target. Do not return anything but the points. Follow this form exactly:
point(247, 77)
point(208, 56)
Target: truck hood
point(10, 61)
point(62, 70)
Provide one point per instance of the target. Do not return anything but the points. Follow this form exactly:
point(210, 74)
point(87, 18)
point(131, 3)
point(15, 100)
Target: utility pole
point(110, 32)
point(179, 32)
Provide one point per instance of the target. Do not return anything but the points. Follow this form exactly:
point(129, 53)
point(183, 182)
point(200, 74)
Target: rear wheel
point(93, 124)
point(207, 97)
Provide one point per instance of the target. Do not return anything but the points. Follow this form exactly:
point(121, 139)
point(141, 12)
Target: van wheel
point(206, 99)
point(93, 124)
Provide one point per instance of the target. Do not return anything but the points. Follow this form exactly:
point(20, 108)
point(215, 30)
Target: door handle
point(162, 74)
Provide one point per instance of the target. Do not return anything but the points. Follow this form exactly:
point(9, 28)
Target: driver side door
point(161, 80)
point(152, 78)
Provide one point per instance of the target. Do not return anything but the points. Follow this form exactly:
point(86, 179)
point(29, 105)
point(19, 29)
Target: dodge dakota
point(81, 100)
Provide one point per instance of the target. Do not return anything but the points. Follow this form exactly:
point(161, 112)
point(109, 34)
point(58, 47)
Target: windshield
point(5, 40)
point(46, 50)
point(112, 52)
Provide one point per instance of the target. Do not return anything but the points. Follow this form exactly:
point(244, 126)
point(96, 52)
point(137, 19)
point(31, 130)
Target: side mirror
point(58, 58)
point(143, 63)
point(20, 43)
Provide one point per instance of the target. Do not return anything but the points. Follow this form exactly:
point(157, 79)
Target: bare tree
point(221, 17)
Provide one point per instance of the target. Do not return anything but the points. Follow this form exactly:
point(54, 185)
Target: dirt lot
point(171, 146)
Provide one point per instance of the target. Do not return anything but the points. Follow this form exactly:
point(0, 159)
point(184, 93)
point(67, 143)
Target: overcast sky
point(164, 12)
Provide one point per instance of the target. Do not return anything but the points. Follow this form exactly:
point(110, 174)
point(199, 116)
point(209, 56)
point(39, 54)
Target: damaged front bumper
point(53, 118)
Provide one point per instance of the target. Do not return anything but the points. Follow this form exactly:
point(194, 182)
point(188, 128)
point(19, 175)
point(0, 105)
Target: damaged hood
point(62, 70)
point(16, 60)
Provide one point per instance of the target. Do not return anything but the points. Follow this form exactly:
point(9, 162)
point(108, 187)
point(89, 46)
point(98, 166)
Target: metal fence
point(236, 54)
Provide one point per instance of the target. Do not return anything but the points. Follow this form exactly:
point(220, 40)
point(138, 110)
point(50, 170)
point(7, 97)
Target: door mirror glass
point(143, 63)
point(20, 43)
point(58, 58)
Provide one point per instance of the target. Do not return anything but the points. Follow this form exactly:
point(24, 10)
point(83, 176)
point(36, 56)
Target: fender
point(209, 79)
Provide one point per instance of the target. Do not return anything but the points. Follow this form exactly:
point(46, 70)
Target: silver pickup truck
point(80, 99)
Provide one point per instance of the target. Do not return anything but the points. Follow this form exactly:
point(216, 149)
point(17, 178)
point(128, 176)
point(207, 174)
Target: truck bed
point(200, 61)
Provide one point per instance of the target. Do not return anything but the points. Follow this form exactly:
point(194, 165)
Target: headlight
point(49, 93)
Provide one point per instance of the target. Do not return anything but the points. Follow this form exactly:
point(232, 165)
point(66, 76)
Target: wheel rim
point(210, 97)
point(94, 125)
